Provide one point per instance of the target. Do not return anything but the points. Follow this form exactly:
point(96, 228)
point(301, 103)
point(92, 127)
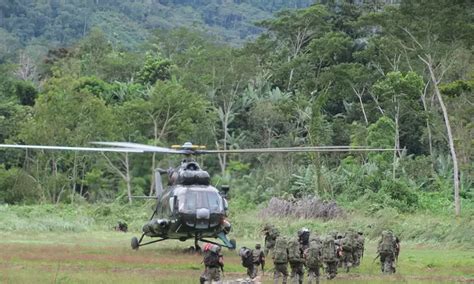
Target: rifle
point(263, 267)
point(222, 269)
point(378, 255)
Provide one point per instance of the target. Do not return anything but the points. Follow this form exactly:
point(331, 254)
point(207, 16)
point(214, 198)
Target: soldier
point(280, 259)
point(213, 262)
point(347, 246)
point(303, 238)
point(296, 259)
point(271, 234)
point(328, 253)
point(246, 255)
point(258, 258)
point(360, 244)
point(387, 251)
point(339, 253)
point(312, 257)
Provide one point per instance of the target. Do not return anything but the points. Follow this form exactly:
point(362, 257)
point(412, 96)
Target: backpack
point(313, 255)
point(347, 244)
point(280, 252)
point(294, 252)
point(386, 245)
point(304, 238)
point(329, 249)
point(257, 256)
point(247, 257)
point(211, 259)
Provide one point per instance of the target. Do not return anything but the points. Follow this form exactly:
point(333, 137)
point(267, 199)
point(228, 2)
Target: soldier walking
point(296, 259)
point(280, 260)
point(388, 249)
point(258, 259)
point(360, 246)
point(312, 257)
point(213, 262)
point(329, 256)
point(246, 255)
point(271, 234)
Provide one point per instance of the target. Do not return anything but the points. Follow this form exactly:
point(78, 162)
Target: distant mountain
point(43, 23)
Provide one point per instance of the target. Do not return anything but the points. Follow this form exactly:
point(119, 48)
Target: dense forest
point(39, 25)
point(227, 75)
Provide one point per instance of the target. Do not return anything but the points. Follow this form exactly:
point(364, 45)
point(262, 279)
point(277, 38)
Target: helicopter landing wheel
point(135, 244)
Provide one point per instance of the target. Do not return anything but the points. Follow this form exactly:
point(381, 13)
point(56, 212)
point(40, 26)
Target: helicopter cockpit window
point(172, 203)
point(215, 202)
point(192, 200)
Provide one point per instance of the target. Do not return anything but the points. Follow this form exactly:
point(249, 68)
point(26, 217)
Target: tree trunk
point(425, 107)
point(457, 200)
point(127, 179)
point(359, 95)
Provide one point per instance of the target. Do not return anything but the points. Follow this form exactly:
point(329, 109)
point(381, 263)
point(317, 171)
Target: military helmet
point(339, 235)
point(258, 246)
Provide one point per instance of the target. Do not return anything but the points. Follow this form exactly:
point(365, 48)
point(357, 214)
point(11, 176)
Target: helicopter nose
point(202, 213)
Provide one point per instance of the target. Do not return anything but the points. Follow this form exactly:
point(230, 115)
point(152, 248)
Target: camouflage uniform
point(258, 258)
point(271, 234)
point(280, 263)
point(312, 257)
point(347, 245)
point(296, 261)
point(247, 261)
point(359, 251)
point(303, 238)
point(388, 248)
point(339, 252)
point(212, 271)
point(329, 257)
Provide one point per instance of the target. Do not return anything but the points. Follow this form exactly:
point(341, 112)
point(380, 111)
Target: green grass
point(76, 244)
point(106, 257)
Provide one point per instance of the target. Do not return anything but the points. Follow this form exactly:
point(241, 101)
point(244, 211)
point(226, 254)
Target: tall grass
point(247, 224)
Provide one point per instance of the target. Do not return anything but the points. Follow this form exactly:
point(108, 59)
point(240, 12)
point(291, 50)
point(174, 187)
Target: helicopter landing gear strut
point(197, 248)
point(138, 243)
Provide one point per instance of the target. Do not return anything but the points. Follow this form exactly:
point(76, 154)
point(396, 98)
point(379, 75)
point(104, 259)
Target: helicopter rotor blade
point(90, 149)
point(296, 150)
point(143, 147)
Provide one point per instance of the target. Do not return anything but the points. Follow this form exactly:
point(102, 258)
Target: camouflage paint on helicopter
point(190, 208)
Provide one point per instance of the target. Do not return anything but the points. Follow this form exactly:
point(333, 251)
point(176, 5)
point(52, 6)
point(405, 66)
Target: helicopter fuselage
point(185, 211)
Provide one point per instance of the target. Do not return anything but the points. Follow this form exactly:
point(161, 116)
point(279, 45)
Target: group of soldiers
point(332, 251)
point(313, 252)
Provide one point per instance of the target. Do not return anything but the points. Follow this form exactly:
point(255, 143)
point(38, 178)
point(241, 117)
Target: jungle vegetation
point(362, 73)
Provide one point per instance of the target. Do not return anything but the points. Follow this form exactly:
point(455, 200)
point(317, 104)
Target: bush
point(16, 187)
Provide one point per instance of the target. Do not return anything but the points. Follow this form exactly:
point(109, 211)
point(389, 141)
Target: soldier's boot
point(202, 280)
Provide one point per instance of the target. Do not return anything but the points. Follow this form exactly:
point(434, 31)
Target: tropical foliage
point(336, 73)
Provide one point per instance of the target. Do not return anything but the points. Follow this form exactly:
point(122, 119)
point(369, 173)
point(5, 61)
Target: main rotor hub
point(188, 146)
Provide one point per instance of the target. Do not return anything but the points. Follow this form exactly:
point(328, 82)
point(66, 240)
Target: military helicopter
point(189, 207)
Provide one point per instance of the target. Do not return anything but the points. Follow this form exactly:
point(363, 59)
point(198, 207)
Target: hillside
point(42, 24)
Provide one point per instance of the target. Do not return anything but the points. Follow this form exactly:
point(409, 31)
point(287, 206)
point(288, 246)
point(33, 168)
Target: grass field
point(106, 257)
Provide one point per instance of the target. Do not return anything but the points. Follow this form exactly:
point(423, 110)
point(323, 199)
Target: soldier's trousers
point(348, 260)
point(211, 275)
point(297, 272)
point(252, 271)
point(357, 256)
point(331, 269)
point(280, 268)
point(313, 273)
point(387, 262)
